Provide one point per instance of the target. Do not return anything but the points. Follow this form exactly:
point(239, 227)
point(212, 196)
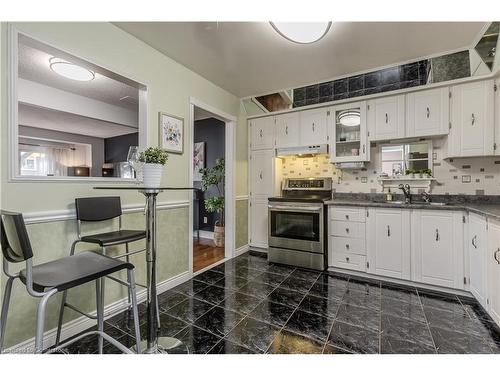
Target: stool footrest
point(104, 335)
point(128, 254)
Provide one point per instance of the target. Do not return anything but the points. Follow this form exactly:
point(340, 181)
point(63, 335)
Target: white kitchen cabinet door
point(388, 244)
point(261, 173)
point(493, 261)
point(262, 133)
point(347, 128)
point(313, 129)
point(386, 118)
point(427, 112)
point(497, 118)
point(437, 253)
point(259, 222)
point(472, 120)
point(478, 248)
point(287, 130)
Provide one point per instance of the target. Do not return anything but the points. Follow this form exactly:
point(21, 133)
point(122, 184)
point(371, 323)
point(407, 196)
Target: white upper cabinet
point(438, 242)
point(386, 118)
point(493, 264)
point(313, 128)
point(427, 112)
point(262, 133)
point(472, 120)
point(287, 130)
point(388, 243)
point(497, 118)
point(347, 128)
point(478, 248)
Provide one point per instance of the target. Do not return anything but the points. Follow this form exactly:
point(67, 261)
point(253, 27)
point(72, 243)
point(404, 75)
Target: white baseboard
point(258, 249)
point(241, 250)
point(78, 325)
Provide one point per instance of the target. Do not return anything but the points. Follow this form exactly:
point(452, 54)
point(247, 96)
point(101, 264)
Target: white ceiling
point(201, 114)
point(44, 118)
point(34, 66)
point(250, 58)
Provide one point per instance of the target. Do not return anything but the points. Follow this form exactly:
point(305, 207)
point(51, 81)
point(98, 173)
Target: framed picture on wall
point(198, 160)
point(171, 133)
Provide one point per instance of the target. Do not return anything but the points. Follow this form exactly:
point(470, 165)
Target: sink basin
point(396, 202)
point(438, 203)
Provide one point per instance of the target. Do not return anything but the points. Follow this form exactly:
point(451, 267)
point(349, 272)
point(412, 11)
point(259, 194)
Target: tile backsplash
point(470, 176)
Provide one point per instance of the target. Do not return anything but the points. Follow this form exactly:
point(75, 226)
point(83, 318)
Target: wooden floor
point(205, 253)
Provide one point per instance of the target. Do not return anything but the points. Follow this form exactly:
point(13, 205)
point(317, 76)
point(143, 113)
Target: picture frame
point(171, 133)
point(198, 160)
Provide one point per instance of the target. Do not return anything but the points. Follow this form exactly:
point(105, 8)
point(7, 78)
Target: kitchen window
point(398, 158)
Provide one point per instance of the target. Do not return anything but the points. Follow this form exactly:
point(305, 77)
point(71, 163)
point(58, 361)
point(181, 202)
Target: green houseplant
point(215, 176)
point(154, 158)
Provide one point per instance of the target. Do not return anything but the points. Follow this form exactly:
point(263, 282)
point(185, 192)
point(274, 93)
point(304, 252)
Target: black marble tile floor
point(246, 306)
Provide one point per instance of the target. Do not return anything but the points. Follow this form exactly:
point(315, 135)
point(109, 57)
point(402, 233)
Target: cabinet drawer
point(349, 261)
point(347, 229)
point(348, 214)
point(348, 245)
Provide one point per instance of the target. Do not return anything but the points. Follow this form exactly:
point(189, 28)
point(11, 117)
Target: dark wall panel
point(116, 148)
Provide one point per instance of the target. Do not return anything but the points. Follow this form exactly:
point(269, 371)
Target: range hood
point(302, 150)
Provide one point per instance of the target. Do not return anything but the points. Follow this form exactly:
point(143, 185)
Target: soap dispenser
point(389, 195)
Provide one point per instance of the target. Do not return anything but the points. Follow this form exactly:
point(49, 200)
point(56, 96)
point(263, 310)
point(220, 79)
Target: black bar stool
point(45, 280)
point(96, 209)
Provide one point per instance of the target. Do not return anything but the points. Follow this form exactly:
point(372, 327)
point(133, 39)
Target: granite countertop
point(488, 208)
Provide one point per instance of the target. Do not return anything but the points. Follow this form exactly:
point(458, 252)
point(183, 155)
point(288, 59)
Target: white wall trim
point(82, 323)
point(242, 197)
point(241, 250)
point(70, 214)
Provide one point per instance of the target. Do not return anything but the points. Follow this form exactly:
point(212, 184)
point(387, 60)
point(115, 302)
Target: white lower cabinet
point(438, 248)
point(258, 223)
point(478, 247)
point(388, 245)
point(493, 270)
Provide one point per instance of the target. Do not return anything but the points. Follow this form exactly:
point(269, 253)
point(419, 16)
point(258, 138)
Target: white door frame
point(230, 187)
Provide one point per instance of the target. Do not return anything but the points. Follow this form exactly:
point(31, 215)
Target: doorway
point(212, 213)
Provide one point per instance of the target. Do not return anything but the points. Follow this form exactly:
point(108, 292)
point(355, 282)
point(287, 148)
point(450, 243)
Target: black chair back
point(98, 208)
point(16, 246)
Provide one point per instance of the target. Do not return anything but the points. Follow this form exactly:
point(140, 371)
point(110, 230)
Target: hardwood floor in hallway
point(205, 253)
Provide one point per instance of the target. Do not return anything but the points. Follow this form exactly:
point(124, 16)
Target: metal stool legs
point(40, 321)
point(100, 313)
point(5, 310)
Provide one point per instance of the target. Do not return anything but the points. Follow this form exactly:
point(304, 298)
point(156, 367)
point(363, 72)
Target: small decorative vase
point(151, 174)
point(219, 234)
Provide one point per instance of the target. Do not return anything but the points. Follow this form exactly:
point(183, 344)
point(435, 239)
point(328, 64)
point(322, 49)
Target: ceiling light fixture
point(302, 32)
point(70, 70)
point(350, 118)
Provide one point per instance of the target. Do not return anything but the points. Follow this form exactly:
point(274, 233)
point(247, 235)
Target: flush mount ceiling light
point(350, 118)
point(302, 32)
point(70, 70)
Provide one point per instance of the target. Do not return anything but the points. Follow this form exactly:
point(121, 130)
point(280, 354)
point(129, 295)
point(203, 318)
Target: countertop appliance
point(297, 223)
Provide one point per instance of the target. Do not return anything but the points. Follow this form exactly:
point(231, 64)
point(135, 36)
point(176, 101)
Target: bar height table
point(154, 343)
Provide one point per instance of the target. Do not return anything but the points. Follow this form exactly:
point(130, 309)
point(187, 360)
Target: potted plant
point(215, 176)
point(410, 172)
point(154, 158)
point(427, 172)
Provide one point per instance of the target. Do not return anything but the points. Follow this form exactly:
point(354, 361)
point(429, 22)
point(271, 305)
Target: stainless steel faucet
point(426, 197)
point(406, 192)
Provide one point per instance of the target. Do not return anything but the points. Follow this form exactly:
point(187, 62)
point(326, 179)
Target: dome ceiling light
point(350, 118)
point(70, 70)
point(302, 32)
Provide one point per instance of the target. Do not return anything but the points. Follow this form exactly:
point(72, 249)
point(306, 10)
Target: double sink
point(420, 203)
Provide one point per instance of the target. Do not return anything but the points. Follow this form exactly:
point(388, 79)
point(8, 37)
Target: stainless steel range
point(297, 223)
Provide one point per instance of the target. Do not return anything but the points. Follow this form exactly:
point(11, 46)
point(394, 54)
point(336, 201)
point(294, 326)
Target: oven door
point(296, 227)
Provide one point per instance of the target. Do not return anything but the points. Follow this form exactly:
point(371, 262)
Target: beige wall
point(170, 87)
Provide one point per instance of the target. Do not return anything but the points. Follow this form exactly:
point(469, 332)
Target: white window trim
point(12, 115)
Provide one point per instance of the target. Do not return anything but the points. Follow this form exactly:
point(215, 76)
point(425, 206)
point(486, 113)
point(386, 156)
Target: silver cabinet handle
point(347, 259)
point(428, 112)
point(363, 149)
point(495, 255)
point(347, 217)
point(437, 234)
point(388, 231)
point(473, 119)
point(260, 175)
point(474, 241)
point(347, 246)
point(313, 126)
point(347, 230)
point(260, 132)
point(386, 118)
point(286, 130)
